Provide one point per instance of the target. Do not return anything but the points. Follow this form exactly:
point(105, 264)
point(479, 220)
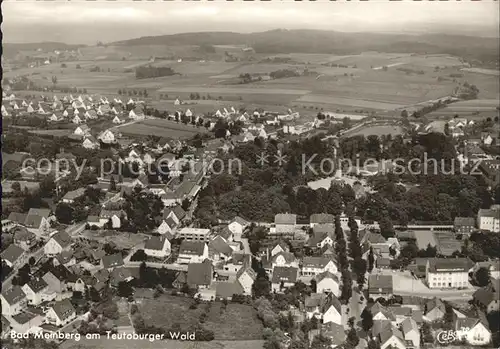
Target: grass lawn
point(123, 310)
point(237, 322)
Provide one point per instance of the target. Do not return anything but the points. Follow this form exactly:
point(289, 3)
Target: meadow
point(409, 80)
point(161, 128)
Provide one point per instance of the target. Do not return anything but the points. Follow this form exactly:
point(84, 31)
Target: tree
point(404, 114)
point(185, 204)
point(483, 276)
point(54, 80)
point(371, 260)
point(386, 228)
point(352, 338)
point(366, 319)
point(112, 184)
point(124, 289)
point(64, 213)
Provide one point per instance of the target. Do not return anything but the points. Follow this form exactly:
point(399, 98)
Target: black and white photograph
point(250, 174)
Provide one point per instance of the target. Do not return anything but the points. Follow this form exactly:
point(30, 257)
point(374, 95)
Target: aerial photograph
point(250, 175)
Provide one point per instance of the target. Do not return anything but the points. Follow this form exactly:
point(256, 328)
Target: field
point(447, 243)
point(363, 85)
point(378, 130)
point(161, 128)
point(473, 109)
point(167, 344)
point(425, 238)
point(237, 322)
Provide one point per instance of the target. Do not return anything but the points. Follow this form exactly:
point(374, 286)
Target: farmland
point(358, 83)
point(161, 128)
point(378, 130)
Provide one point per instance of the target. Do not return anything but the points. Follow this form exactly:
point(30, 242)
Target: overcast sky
point(86, 22)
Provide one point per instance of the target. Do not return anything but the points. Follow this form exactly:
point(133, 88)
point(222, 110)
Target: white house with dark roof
point(312, 266)
point(158, 247)
point(61, 313)
point(13, 300)
point(283, 277)
point(192, 252)
point(58, 243)
point(380, 286)
point(246, 277)
point(321, 218)
point(284, 223)
point(448, 272)
point(434, 309)
point(194, 234)
point(37, 291)
point(477, 331)
point(325, 307)
point(237, 226)
point(112, 261)
point(327, 282)
point(73, 195)
point(14, 256)
point(411, 332)
point(167, 226)
point(489, 219)
point(219, 249)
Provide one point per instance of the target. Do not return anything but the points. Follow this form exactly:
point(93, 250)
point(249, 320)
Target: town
point(173, 217)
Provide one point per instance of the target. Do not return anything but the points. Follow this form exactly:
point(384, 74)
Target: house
point(219, 249)
point(392, 338)
point(90, 142)
point(192, 252)
point(324, 307)
point(37, 224)
point(379, 312)
point(334, 332)
point(166, 226)
point(434, 309)
point(489, 219)
point(112, 261)
point(464, 225)
point(448, 273)
point(246, 277)
point(488, 298)
point(117, 120)
point(283, 277)
point(380, 286)
point(285, 223)
point(177, 214)
point(14, 256)
point(321, 218)
point(319, 240)
point(281, 259)
point(313, 266)
point(58, 243)
point(474, 331)
point(493, 266)
point(158, 247)
point(327, 282)
point(26, 322)
point(226, 290)
point(237, 262)
point(194, 234)
point(82, 130)
point(13, 300)
point(37, 291)
point(237, 226)
point(61, 313)
point(199, 275)
point(71, 196)
point(113, 216)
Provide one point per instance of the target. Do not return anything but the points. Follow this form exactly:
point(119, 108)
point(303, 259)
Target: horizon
point(68, 22)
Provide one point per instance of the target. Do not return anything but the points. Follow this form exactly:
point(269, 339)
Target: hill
point(280, 41)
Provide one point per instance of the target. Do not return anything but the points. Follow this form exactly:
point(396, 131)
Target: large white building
point(194, 234)
point(489, 219)
point(448, 272)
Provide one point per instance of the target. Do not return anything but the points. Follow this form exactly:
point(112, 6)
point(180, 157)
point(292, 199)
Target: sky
point(83, 22)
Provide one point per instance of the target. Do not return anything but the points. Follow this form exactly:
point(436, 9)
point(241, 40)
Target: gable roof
point(240, 221)
point(380, 284)
point(62, 238)
point(326, 275)
point(13, 295)
point(37, 284)
point(63, 309)
point(315, 262)
point(435, 303)
point(12, 253)
point(317, 238)
point(155, 243)
point(331, 301)
point(285, 218)
point(322, 218)
point(111, 261)
point(33, 221)
point(17, 217)
point(379, 308)
point(228, 289)
point(219, 245)
point(199, 273)
point(192, 247)
point(43, 212)
point(448, 265)
point(285, 274)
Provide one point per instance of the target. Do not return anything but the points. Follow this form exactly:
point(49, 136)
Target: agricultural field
point(238, 321)
point(482, 71)
point(378, 130)
point(476, 109)
point(161, 128)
